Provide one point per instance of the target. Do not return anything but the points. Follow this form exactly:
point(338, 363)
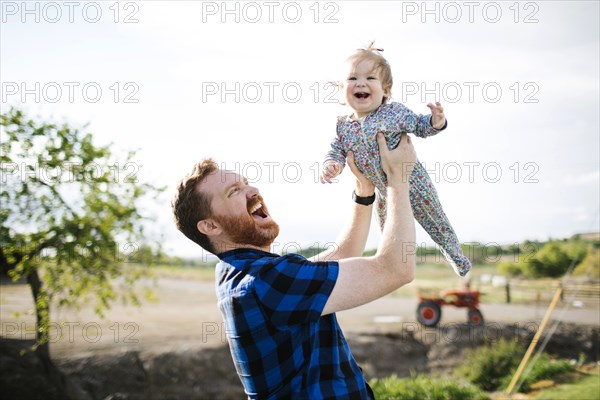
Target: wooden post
point(507, 292)
point(562, 291)
point(534, 342)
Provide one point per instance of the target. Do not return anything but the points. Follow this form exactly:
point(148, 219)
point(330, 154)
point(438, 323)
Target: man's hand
point(438, 119)
point(331, 169)
point(364, 279)
point(364, 187)
point(397, 164)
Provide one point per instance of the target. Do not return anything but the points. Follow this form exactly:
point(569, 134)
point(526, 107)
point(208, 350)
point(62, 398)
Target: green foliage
point(492, 367)
point(488, 365)
point(544, 368)
point(69, 214)
point(590, 266)
point(551, 259)
point(510, 269)
point(424, 388)
point(584, 389)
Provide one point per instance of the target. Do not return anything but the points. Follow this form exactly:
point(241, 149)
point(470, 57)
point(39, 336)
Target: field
point(180, 335)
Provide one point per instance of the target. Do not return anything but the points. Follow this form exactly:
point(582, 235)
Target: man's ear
point(209, 227)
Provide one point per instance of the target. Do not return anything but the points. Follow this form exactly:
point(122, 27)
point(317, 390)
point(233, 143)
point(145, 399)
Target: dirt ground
point(175, 348)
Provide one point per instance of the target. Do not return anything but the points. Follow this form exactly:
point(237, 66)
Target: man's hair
point(190, 205)
point(382, 67)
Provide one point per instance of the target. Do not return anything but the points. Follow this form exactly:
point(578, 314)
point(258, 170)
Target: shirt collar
point(370, 115)
point(247, 254)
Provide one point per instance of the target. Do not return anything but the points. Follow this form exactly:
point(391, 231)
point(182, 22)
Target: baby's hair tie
point(371, 48)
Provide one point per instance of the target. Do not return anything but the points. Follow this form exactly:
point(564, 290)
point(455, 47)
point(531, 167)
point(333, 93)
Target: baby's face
point(363, 89)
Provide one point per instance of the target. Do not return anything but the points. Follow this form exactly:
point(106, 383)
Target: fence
point(530, 291)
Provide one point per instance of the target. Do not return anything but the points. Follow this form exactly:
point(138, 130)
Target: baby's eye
point(351, 78)
point(371, 77)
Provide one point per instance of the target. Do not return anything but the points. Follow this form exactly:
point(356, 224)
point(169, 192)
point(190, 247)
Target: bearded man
point(279, 311)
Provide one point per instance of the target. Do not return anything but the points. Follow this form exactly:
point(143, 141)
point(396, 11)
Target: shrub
point(553, 259)
point(424, 388)
point(590, 266)
point(510, 269)
point(487, 366)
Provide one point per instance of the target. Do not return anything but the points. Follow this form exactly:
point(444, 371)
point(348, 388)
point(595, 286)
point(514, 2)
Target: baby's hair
point(382, 67)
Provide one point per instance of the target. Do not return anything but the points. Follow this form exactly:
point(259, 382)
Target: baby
point(367, 91)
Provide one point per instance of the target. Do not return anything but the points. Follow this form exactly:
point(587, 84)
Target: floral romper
point(393, 119)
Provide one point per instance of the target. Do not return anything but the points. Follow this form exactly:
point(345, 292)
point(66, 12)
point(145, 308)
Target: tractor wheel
point(429, 313)
point(475, 317)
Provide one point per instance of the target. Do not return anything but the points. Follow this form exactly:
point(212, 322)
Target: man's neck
point(223, 247)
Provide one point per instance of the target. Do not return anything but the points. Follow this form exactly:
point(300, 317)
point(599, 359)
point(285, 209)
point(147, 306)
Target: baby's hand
point(438, 119)
point(331, 169)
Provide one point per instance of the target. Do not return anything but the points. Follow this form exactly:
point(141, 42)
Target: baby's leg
point(381, 205)
point(428, 211)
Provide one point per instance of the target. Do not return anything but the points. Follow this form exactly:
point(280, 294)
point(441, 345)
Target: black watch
point(365, 201)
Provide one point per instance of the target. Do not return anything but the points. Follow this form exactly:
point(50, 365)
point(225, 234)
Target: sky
point(248, 83)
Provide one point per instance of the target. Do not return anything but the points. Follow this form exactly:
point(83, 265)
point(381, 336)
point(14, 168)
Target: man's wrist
point(364, 190)
point(399, 179)
point(363, 200)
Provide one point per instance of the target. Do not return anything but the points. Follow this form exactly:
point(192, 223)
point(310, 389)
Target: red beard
point(244, 230)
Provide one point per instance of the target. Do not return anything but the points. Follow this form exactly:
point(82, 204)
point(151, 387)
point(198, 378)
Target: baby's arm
point(334, 161)
point(438, 119)
point(422, 125)
point(331, 169)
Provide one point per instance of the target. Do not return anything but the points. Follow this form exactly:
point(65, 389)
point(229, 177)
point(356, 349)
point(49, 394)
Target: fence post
point(562, 291)
point(507, 292)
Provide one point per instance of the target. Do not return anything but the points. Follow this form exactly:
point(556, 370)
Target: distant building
point(590, 236)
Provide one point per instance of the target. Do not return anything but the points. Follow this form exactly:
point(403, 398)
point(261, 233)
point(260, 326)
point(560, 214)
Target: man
point(279, 310)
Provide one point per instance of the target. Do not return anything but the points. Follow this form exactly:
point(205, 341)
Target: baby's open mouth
point(361, 95)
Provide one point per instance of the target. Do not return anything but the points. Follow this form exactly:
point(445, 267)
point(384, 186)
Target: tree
point(69, 218)
point(551, 259)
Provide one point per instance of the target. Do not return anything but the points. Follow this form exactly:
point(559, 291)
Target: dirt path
point(186, 317)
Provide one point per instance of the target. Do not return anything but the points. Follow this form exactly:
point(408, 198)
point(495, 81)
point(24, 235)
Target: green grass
point(584, 389)
point(545, 368)
point(424, 388)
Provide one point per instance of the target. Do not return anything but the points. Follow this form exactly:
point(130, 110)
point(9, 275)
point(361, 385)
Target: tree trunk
point(42, 310)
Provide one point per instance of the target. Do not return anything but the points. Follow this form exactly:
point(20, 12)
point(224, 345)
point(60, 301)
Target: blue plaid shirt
point(281, 346)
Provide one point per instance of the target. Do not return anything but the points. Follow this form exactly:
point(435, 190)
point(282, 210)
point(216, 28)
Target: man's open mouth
point(361, 95)
point(258, 211)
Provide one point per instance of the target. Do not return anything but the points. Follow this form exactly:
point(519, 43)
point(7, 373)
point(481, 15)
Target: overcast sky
point(247, 84)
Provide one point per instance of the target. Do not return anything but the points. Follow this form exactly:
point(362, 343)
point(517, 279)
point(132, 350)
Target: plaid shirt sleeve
point(293, 290)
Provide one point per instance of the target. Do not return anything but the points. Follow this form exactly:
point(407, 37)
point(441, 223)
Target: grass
point(432, 276)
point(424, 388)
point(586, 388)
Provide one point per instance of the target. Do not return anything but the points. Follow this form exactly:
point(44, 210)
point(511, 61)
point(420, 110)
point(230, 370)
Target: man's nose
point(251, 191)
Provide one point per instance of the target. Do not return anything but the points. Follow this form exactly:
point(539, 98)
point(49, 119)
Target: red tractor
point(429, 311)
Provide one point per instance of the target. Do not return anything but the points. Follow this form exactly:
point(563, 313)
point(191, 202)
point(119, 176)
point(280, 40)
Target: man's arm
point(353, 238)
point(364, 279)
